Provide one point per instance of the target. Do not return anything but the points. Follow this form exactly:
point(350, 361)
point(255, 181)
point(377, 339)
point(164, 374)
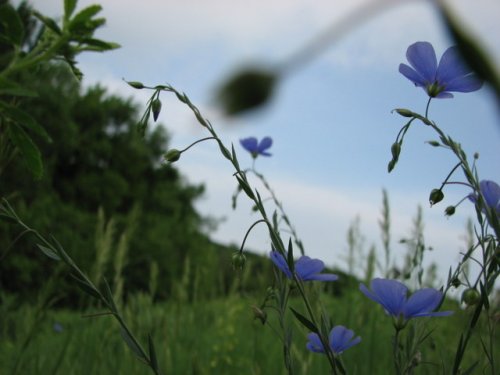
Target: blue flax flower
point(392, 295)
point(257, 148)
point(491, 193)
point(340, 339)
point(438, 80)
point(306, 269)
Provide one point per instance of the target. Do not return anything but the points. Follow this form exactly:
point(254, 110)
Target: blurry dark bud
point(255, 208)
point(470, 297)
point(136, 85)
point(450, 210)
point(405, 112)
point(434, 143)
point(259, 314)
point(436, 196)
point(395, 150)
point(172, 155)
point(456, 282)
point(239, 260)
point(247, 90)
point(417, 359)
point(156, 108)
point(391, 165)
point(476, 155)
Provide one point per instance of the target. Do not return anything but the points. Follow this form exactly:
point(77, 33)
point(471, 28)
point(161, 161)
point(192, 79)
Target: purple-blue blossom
point(340, 339)
point(438, 80)
point(306, 269)
point(491, 194)
point(255, 147)
point(393, 296)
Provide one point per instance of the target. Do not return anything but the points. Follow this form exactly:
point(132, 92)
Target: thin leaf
point(153, 359)
point(305, 322)
point(132, 344)
point(83, 285)
point(8, 87)
point(30, 152)
point(49, 252)
point(24, 119)
point(69, 8)
point(12, 26)
point(290, 261)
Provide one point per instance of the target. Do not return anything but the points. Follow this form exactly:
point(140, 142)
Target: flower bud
point(136, 85)
point(247, 90)
point(436, 196)
point(172, 155)
point(405, 112)
point(434, 143)
point(395, 150)
point(391, 165)
point(450, 210)
point(239, 260)
point(470, 297)
point(156, 108)
point(259, 314)
point(456, 282)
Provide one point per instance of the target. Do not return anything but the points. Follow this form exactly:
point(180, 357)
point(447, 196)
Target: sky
point(330, 119)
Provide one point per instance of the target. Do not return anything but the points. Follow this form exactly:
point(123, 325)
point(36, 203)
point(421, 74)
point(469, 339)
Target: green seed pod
point(436, 196)
point(471, 297)
point(239, 260)
point(396, 150)
point(456, 282)
point(391, 165)
point(405, 112)
point(450, 210)
point(156, 108)
point(172, 155)
point(434, 143)
point(136, 85)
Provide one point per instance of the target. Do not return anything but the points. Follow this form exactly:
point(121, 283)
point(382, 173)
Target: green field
point(212, 337)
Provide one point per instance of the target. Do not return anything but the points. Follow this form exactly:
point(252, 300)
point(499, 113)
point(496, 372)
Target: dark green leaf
point(85, 15)
point(23, 118)
point(290, 261)
point(83, 285)
point(69, 8)
point(30, 152)
point(153, 360)
point(474, 55)
point(108, 295)
point(8, 87)
point(49, 23)
point(49, 252)
point(470, 369)
point(99, 45)
point(132, 344)
point(11, 26)
point(305, 322)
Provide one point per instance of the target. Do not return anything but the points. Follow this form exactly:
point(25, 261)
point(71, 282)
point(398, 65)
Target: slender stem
point(248, 232)
point(198, 141)
point(427, 107)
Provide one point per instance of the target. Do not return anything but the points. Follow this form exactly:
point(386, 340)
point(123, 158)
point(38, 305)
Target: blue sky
point(331, 119)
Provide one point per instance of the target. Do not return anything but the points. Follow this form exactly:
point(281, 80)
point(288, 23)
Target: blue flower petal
point(451, 66)
point(341, 339)
point(422, 58)
point(412, 75)
point(281, 263)
point(491, 193)
point(391, 293)
point(306, 267)
point(422, 302)
point(264, 144)
point(324, 277)
point(314, 344)
point(249, 144)
point(467, 83)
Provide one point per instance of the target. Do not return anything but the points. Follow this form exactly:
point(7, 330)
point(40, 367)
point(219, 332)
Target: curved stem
point(198, 141)
point(248, 232)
